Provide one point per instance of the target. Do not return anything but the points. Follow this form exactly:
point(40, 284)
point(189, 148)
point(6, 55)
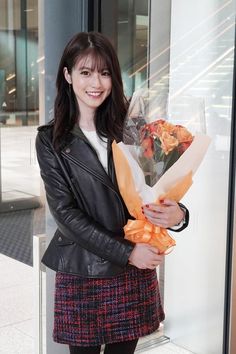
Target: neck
point(87, 122)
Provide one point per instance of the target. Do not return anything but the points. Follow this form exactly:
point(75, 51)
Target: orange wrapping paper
point(140, 230)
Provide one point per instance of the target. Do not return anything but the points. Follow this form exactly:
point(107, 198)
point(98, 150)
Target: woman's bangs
point(94, 60)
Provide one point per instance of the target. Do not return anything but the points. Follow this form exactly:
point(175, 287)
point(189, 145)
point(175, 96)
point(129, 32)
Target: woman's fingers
point(145, 256)
point(156, 208)
point(165, 215)
point(153, 249)
point(156, 215)
point(155, 263)
point(161, 222)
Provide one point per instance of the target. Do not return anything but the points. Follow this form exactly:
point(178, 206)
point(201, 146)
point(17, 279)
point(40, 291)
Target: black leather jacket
point(89, 240)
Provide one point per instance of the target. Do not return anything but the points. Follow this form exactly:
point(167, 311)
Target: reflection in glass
point(18, 63)
point(129, 31)
point(19, 104)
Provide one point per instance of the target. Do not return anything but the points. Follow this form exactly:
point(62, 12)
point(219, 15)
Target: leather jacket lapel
point(78, 149)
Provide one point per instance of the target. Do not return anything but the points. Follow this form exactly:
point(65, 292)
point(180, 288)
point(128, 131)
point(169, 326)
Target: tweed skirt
point(91, 312)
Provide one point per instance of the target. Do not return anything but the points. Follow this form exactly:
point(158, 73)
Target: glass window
point(18, 63)
point(21, 214)
point(130, 34)
point(200, 88)
point(19, 104)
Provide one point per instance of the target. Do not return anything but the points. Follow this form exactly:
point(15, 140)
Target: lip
point(94, 93)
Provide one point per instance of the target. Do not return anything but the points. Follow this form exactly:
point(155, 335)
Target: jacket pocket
point(53, 256)
point(62, 240)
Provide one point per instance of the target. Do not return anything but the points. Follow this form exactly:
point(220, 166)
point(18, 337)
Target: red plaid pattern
point(90, 312)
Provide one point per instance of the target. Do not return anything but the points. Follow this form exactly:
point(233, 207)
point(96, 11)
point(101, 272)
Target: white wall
point(202, 37)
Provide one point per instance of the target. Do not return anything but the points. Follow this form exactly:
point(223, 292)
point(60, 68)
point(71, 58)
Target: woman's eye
point(106, 73)
point(84, 72)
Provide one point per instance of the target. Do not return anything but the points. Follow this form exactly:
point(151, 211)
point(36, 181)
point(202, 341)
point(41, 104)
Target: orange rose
point(168, 142)
point(169, 128)
point(182, 134)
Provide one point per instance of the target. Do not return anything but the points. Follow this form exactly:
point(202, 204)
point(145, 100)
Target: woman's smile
point(94, 94)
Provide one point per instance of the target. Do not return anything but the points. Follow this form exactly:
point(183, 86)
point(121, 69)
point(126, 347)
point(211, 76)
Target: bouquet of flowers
point(155, 161)
point(162, 143)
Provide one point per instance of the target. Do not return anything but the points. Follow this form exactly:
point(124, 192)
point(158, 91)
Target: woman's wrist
point(182, 220)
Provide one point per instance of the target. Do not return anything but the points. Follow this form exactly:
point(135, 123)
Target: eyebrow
point(90, 68)
point(84, 67)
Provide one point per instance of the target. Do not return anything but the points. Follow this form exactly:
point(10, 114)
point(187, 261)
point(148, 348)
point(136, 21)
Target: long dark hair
point(109, 117)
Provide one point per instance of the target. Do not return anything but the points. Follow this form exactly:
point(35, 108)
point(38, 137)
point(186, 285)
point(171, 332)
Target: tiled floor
point(167, 349)
point(17, 315)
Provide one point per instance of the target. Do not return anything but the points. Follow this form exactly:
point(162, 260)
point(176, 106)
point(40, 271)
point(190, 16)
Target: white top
point(99, 145)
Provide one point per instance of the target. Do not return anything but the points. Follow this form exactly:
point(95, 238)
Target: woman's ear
point(67, 75)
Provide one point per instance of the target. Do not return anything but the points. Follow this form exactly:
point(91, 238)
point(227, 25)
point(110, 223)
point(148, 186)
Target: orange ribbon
point(143, 231)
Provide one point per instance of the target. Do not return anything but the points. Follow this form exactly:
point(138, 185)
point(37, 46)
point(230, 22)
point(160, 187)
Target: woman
point(106, 287)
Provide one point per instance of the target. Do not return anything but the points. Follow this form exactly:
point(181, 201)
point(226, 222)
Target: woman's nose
point(96, 81)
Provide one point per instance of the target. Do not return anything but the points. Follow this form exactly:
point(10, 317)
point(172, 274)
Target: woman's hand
point(145, 256)
point(166, 215)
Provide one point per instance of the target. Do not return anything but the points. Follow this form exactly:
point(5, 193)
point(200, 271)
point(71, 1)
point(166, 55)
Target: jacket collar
point(76, 146)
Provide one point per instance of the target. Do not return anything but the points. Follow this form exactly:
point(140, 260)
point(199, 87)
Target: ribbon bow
point(144, 231)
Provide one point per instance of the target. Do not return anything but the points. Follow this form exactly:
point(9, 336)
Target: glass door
point(129, 33)
point(19, 105)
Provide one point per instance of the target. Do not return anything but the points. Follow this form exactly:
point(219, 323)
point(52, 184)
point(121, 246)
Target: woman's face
point(91, 87)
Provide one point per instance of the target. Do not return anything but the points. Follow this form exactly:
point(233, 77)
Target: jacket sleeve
point(73, 223)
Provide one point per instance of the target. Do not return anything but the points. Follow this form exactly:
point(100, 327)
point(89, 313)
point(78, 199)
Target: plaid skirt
point(91, 312)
